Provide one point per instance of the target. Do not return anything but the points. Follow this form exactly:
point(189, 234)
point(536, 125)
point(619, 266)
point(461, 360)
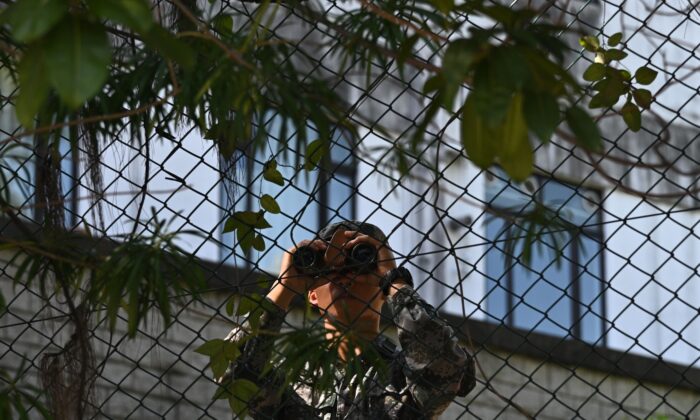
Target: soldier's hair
point(367, 228)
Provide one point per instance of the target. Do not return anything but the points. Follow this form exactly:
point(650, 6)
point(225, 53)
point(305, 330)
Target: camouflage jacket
point(424, 377)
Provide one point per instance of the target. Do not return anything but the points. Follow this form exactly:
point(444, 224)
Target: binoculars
point(362, 259)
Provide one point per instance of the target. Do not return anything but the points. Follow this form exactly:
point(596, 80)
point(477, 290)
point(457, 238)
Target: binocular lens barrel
point(307, 257)
point(363, 254)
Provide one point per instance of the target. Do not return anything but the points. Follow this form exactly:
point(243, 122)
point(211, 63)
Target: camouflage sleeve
point(255, 353)
point(434, 360)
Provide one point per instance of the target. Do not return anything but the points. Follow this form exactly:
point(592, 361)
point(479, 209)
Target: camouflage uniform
point(423, 378)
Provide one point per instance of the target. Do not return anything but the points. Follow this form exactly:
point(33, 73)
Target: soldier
point(424, 377)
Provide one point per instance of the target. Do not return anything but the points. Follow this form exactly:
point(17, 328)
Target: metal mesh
point(597, 319)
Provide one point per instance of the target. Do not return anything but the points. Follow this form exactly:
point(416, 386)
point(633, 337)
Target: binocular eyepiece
point(362, 258)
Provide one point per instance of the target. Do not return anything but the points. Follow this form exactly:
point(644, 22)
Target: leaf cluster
point(111, 58)
point(238, 392)
point(21, 399)
point(302, 355)
point(246, 78)
point(519, 87)
point(308, 355)
point(66, 49)
point(611, 83)
point(145, 271)
point(375, 35)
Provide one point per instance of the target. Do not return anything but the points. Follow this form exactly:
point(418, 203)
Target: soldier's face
point(350, 298)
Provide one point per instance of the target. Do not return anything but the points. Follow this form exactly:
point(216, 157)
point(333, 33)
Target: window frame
point(578, 308)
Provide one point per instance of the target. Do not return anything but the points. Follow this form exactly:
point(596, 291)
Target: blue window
point(309, 200)
point(563, 298)
point(19, 171)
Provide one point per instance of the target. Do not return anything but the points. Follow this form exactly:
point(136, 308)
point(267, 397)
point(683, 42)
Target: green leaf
point(542, 114)
point(259, 243)
point(223, 392)
point(406, 51)
point(642, 97)
point(231, 351)
point(444, 6)
point(496, 79)
point(247, 304)
point(223, 24)
point(135, 14)
point(79, 53)
point(230, 305)
point(456, 65)
point(590, 43)
point(211, 347)
point(254, 219)
point(33, 85)
point(245, 236)
point(30, 19)
point(263, 282)
point(242, 391)
point(254, 318)
point(270, 173)
point(314, 153)
point(594, 72)
point(632, 116)
point(244, 223)
point(269, 204)
point(491, 102)
point(20, 408)
point(614, 54)
point(509, 65)
point(218, 364)
point(615, 39)
point(477, 137)
point(584, 128)
point(596, 102)
point(645, 75)
point(516, 154)
point(434, 83)
point(169, 46)
point(5, 408)
point(224, 134)
point(609, 92)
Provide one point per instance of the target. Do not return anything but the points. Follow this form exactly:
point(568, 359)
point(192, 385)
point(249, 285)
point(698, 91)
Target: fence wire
point(586, 310)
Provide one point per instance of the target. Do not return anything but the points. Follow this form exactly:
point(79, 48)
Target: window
point(562, 299)
point(309, 200)
point(18, 169)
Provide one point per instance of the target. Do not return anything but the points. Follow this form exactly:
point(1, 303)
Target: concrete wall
point(158, 374)
point(152, 376)
point(551, 391)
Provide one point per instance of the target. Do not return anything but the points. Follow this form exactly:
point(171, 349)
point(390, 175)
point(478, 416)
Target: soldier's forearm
point(280, 295)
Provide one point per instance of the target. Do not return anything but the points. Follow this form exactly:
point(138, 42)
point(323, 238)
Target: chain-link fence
point(575, 290)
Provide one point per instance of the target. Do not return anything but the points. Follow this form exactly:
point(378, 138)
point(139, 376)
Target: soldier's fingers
point(305, 242)
point(362, 238)
point(318, 244)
